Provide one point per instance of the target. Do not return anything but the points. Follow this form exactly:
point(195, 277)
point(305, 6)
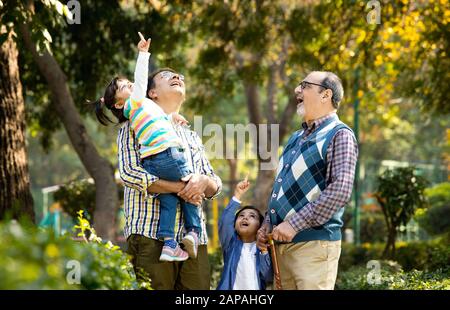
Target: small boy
point(245, 266)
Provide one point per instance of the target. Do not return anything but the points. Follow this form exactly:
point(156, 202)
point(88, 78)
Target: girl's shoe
point(190, 242)
point(172, 252)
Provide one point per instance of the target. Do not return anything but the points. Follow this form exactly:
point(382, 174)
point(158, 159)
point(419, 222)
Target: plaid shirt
point(142, 208)
point(342, 154)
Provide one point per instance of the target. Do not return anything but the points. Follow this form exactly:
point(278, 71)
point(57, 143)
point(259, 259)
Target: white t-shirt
point(246, 277)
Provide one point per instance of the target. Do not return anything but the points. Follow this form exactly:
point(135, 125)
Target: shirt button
point(272, 211)
point(287, 166)
point(274, 195)
point(279, 180)
point(293, 152)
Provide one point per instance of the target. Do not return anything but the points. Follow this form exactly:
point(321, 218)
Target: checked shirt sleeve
point(131, 172)
point(342, 154)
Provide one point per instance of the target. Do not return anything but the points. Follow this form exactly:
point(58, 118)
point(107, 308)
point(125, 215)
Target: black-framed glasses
point(169, 75)
point(304, 83)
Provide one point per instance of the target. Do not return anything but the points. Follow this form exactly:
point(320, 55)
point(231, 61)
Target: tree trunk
point(265, 179)
point(232, 164)
point(263, 188)
point(99, 168)
point(15, 194)
point(389, 250)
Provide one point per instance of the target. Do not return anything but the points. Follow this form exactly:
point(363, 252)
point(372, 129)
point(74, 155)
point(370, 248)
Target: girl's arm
point(141, 71)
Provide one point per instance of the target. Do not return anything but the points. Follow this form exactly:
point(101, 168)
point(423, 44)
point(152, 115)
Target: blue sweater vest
point(302, 171)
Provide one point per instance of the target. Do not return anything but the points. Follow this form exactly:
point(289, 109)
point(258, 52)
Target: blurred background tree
point(400, 193)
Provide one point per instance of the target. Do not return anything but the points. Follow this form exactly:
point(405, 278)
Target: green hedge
point(32, 258)
point(393, 278)
point(436, 218)
point(216, 267)
point(424, 255)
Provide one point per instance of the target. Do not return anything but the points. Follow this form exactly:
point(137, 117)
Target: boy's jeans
point(171, 165)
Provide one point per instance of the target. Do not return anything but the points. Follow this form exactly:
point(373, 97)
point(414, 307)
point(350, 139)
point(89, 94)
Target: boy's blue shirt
point(231, 249)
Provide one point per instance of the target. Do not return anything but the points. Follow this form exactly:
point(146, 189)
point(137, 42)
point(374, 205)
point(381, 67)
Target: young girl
point(245, 266)
point(161, 150)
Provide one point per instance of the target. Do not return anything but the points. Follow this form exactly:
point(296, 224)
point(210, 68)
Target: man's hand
point(143, 45)
point(284, 232)
point(196, 186)
point(179, 119)
point(197, 200)
point(261, 237)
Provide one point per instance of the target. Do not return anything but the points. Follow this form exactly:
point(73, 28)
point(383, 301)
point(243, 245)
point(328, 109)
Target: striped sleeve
point(131, 172)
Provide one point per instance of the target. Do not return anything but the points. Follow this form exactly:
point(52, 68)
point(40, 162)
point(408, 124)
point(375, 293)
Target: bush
point(78, 195)
point(216, 267)
point(424, 255)
point(393, 278)
point(436, 219)
point(32, 258)
point(373, 227)
point(400, 193)
point(75, 194)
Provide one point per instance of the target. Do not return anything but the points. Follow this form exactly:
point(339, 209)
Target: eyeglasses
point(304, 83)
point(169, 75)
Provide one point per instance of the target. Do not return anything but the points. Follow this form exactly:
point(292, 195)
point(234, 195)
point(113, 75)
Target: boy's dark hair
point(151, 78)
point(109, 100)
point(260, 216)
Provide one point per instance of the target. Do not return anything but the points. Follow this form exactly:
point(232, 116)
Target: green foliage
point(357, 279)
point(35, 259)
point(216, 263)
point(373, 227)
point(439, 195)
point(436, 219)
point(400, 192)
point(32, 258)
point(425, 255)
point(76, 195)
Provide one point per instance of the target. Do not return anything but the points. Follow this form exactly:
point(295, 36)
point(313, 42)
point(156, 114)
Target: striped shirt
point(152, 127)
point(141, 208)
point(342, 154)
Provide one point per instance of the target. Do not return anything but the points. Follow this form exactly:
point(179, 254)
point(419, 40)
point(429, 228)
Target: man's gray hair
point(333, 82)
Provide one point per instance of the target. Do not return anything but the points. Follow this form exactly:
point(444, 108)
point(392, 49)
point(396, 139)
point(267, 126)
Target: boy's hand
point(143, 45)
point(241, 188)
point(179, 119)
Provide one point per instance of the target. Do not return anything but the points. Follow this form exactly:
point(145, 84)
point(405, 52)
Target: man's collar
point(318, 121)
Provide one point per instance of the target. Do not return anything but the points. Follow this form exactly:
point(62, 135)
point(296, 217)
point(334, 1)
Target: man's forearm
point(211, 188)
point(164, 187)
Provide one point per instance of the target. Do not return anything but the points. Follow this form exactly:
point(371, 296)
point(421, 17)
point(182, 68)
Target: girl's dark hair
point(108, 100)
point(261, 217)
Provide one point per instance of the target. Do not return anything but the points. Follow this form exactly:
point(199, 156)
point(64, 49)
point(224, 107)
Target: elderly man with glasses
point(313, 184)
point(141, 205)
